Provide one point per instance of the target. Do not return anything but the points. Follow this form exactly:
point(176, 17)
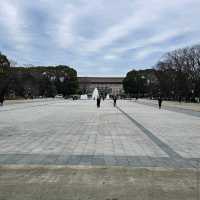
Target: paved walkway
point(192, 109)
point(65, 132)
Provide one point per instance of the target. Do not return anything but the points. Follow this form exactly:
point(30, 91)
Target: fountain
point(95, 94)
point(107, 97)
point(84, 97)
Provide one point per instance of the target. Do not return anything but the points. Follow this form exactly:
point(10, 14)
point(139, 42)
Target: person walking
point(98, 102)
point(180, 99)
point(1, 100)
point(114, 101)
point(160, 102)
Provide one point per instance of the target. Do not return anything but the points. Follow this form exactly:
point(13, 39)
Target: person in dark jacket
point(160, 102)
point(114, 101)
point(1, 100)
point(98, 102)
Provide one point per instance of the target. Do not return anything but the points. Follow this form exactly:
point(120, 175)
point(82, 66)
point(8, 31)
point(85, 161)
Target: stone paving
point(192, 109)
point(63, 132)
point(174, 104)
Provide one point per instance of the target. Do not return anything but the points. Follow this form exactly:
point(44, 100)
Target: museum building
point(105, 85)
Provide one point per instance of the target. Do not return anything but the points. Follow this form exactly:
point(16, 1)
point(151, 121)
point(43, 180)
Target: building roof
point(116, 80)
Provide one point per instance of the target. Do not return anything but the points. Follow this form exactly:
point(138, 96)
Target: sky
point(97, 37)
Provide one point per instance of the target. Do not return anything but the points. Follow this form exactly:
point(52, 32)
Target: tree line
point(32, 82)
point(176, 76)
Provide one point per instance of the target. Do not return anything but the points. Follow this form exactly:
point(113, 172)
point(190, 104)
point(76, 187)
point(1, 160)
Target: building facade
point(105, 85)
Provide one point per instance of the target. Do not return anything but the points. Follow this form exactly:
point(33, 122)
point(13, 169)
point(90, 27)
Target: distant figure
point(98, 102)
point(159, 102)
point(1, 100)
point(180, 99)
point(114, 101)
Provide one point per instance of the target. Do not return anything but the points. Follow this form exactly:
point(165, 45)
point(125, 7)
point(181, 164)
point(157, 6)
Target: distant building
point(105, 85)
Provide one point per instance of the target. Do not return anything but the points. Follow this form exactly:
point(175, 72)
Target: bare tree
point(179, 73)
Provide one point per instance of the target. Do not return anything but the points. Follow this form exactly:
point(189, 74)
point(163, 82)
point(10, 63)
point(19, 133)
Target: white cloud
point(144, 53)
point(118, 31)
point(110, 57)
point(148, 14)
point(156, 39)
point(65, 28)
point(12, 21)
point(97, 34)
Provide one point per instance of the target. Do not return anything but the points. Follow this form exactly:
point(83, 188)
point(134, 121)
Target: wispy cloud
point(97, 37)
point(13, 24)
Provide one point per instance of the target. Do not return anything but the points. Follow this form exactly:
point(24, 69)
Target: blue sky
point(97, 37)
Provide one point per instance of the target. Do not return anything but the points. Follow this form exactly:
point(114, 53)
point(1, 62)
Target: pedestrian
point(1, 100)
point(180, 99)
point(98, 102)
point(159, 102)
point(114, 101)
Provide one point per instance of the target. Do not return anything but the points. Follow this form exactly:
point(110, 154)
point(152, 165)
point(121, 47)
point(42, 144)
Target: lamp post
point(143, 78)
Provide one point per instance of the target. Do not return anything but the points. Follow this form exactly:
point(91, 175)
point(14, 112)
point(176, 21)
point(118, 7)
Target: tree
point(140, 83)
point(179, 73)
point(66, 80)
point(4, 75)
point(130, 82)
point(4, 62)
point(32, 81)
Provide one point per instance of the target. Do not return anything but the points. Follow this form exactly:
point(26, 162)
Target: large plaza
point(71, 150)
point(60, 132)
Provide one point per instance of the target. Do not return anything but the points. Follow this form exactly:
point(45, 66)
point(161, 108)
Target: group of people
point(115, 101)
point(99, 101)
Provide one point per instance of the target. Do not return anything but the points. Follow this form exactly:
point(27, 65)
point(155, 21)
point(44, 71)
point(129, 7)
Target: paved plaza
point(64, 132)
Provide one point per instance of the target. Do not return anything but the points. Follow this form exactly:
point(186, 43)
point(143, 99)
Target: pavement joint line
point(97, 160)
point(167, 149)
